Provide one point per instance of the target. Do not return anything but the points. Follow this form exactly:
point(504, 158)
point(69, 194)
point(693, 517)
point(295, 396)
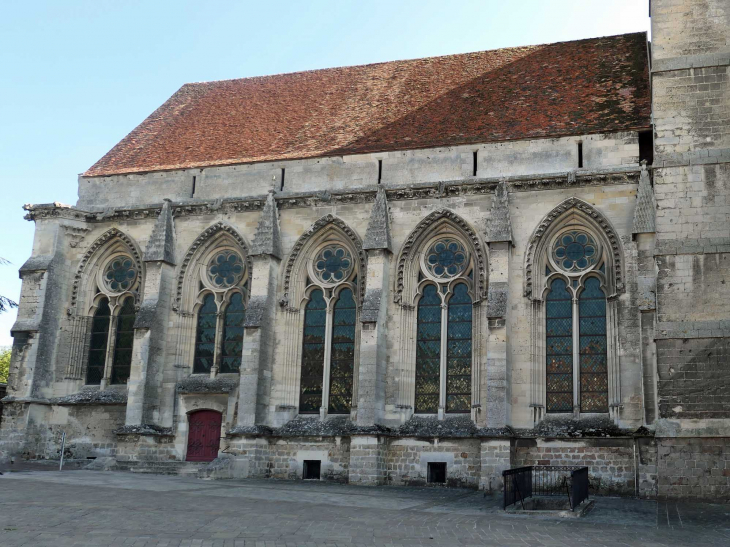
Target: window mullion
point(111, 342)
point(442, 369)
point(576, 357)
point(327, 359)
point(217, 345)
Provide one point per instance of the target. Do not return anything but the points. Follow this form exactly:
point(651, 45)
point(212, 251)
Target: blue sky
point(79, 75)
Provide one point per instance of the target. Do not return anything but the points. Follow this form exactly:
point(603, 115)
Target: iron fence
point(517, 485)
point(546, 481)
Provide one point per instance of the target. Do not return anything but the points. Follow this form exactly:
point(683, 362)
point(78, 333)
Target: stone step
point(166, 468)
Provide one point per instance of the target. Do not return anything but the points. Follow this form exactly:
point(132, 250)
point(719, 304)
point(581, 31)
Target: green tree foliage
point(5, 302)
point(4, 365)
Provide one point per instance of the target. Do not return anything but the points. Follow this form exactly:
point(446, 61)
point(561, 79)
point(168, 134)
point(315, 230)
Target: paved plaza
point(89, 508)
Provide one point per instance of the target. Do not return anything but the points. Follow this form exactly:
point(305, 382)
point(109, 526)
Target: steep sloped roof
point(568, 88)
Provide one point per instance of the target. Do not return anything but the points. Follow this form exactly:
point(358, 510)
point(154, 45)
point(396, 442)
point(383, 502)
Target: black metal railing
point(517, 485)
point(546, 480)
point(579, 487)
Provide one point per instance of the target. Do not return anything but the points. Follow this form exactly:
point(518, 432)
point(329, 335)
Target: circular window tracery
point(575, 251)
point(333, 264)
point(446, 258)
point(225, 269)
point(120, 274)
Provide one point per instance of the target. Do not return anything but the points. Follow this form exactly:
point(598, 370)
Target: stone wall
point(694, 378)
point(611, 464)
point(407, 461)
point(694, 468)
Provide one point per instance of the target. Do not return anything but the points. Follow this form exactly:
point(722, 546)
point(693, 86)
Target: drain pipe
point(63, 447)
point(636, 470)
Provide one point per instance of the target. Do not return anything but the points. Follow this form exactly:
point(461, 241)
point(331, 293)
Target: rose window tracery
point(333, 264)
point(225, 269)
point(575, 251)
point(446, 258)
point(120, 274)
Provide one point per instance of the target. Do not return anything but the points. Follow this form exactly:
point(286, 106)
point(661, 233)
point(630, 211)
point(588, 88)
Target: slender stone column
point(499, 238)
point(259, 333)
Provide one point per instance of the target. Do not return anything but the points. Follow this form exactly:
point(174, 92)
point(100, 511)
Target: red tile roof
point(568, 88)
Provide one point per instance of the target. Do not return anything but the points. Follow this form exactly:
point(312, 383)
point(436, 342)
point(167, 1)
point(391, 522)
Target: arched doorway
point(204, 435)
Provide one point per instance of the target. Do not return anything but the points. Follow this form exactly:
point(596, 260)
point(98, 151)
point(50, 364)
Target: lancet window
point(111, 337)
point(329, 330)
point(443, 380)
point(577, 262)
point(220, 311)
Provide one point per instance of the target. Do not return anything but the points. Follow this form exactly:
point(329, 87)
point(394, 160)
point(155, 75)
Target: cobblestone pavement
point(102, 509)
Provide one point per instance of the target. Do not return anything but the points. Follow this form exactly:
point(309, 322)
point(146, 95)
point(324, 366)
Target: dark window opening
point(380, 171)
point(476, 156)
point(580, 155)
point(437, 472)
point(312, 470)
point(646, 147)
point(192, 194)
point(283, 174)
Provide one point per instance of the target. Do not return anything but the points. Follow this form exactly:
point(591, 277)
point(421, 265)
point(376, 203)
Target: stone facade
point(182, 247)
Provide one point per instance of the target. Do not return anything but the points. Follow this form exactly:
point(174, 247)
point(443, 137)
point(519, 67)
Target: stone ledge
point(206, 384)
point(93, 397)
point(145, 429)
point(672, 330)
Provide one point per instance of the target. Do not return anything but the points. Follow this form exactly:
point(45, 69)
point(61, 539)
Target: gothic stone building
point(401, 273)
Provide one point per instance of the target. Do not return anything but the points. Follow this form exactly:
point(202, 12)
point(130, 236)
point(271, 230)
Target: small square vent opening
point(312, 470)
point(437, 472)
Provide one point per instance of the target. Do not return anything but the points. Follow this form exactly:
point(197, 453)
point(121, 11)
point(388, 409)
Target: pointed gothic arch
point(110, 273)
point(210, 237)
point(210, 301)
point(586, 214)
point(574, 273)
point(328, 225)
point(442, 256)
point(407, 257)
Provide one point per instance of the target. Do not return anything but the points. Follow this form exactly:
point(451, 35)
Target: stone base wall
point(694, 468)
point(611, 462)
point(146, 448)
point(407, 461)
point(368, 456)
point(35, 431)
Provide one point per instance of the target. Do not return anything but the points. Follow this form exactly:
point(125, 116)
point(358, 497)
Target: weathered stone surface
point(499, 227)
point(93, 397)
point(497, 299)
point(377, 235)
point(267, 240)
point(161, 245)
point(206, 384)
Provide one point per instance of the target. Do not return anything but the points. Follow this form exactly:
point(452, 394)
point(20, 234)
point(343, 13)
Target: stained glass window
point(98, 343)
point(559, 338)
point(458, 353)
point(225, 269)
point(575, 251)
point(232, 335)
point(446, 258)
point(593, 348)
point(205, 336)
point(123, 346)
point(315, 320)
point(428, 351)
point(120, 274)
point(333, 264)
point(342, 362)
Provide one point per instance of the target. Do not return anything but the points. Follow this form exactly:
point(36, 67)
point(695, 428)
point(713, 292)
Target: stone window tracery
point(220, 311)
point(443, 367)
point(576, 347)
point(329, 332)
point(111, 334)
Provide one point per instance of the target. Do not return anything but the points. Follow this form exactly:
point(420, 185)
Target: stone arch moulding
point(200, 242)
point(593, 218)
point(104, 240)
point(423, 230)
point(316, 229)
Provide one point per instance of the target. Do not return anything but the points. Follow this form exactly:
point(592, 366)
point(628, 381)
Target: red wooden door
point(204, 435)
